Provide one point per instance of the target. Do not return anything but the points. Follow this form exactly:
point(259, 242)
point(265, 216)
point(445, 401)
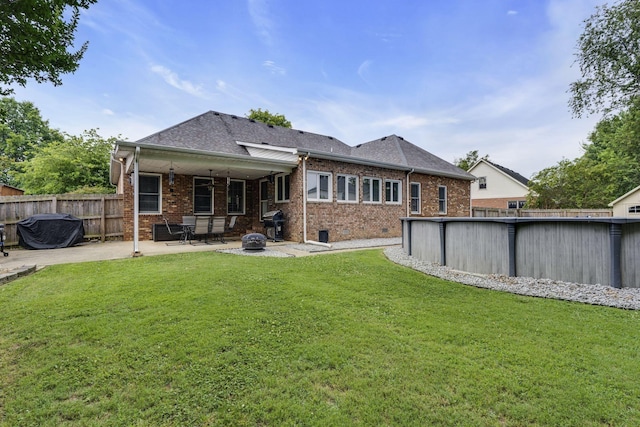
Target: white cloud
point(273, 68)
point(174, 80)
point(512, 12)
point(363, 69)
point(108, 112)
point(259, 12)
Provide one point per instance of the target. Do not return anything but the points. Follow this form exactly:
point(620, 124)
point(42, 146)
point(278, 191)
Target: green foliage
point(268, 118)
point(23, 131)
point(71, 165)
point(469, 160)
point(170, 341)
point(609, 167)
point(34, 38)
point(609, 59)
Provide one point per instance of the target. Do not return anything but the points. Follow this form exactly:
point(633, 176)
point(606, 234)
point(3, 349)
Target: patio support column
point(304, 198)
point(136, 202)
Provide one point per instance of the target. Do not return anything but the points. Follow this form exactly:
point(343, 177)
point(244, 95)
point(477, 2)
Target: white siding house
point(626, 206)
point(497, 186)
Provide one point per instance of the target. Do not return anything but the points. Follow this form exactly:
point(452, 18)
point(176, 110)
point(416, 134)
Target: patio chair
point(217, 228)
point(232, 224)
point(171, 232)
point(201, 228)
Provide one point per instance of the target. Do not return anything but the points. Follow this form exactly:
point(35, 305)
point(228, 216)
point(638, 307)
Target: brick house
point(217, 164)
point(497, 187)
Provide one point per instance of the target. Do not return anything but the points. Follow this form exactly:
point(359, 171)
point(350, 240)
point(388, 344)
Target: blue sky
point(450, 76)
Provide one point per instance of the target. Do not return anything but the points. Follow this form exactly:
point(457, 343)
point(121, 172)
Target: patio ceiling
point(201, 163)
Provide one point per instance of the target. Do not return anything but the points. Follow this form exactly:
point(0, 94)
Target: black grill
point(274, 225)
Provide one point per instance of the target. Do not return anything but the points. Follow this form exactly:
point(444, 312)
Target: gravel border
point(626, 298)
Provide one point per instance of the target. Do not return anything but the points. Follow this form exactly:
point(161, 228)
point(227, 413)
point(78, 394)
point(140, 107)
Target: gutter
point(366, 162)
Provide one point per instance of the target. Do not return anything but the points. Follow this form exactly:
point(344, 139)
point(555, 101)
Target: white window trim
point(442, 212)
point(482, 181)
point(159, 211)
point(282, 177)
point(193, 200)
point(372, 178)
point(244, 198)
point(329, 175)
point(346, 193)
point(419, 197)
point(399, 192)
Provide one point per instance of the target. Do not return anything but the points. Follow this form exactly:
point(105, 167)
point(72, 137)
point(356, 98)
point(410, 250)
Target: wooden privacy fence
point(579, 250)
point(101, 214)
point(541, 213)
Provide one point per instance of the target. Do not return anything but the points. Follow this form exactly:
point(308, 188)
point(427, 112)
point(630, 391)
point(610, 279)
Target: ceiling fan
point(210, 184)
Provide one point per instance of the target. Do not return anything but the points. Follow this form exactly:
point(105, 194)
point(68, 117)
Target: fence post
point(103, 221)
point(443, 240)
point(615, 239)
point(511, 233)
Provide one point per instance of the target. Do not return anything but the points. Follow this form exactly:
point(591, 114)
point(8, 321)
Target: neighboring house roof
point(216, 132)
point(510, 173)
point(624, 196)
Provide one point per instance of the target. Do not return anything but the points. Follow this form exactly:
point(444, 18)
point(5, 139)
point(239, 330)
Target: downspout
point(304, 198)
point(136, 202)
point(409, 192)
point(304, 207)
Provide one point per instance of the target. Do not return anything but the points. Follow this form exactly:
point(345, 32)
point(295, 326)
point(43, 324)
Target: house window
point(319, 186)
point(347, 188)
point(634, 209)
point(264, 198)
point(415, 198)
point(482, 182)
point(371, 190)
point(202, 195)
point(442, 199)
point(149, 196)
point(393, 191)
point(282, 188)
point(236, 197)
point(517, 204)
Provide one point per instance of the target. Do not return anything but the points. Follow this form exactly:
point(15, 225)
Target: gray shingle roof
point(396, 150)
point(513, 174)
point(216, 132)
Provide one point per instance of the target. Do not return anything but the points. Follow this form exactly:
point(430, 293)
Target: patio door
point(264, 197)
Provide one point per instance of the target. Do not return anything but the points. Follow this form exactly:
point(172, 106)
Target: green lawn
point(331, 340)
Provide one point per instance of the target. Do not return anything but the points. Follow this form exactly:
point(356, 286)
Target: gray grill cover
point(50, 231)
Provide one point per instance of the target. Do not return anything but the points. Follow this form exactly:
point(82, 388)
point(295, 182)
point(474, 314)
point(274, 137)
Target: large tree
point(608, 54)
point(35, 38)
point(79, 164)
point(22, 132)
point(268, 118)
point(469, 160)
point(609, 167)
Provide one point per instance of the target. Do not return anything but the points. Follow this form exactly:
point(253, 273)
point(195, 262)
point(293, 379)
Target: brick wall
point(497, 203)
point(343, 221)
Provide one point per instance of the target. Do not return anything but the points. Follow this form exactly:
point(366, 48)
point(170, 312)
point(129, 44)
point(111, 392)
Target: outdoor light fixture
point(172, 175)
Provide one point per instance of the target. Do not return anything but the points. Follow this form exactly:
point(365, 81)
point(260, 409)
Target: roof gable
point(396, 150)
point(219, 133)
point(508, 172)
